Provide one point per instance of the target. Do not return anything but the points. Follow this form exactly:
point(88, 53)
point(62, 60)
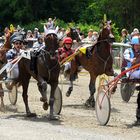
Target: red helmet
point(67, 40)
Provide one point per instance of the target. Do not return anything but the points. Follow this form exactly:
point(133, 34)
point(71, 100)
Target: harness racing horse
point(98, 63)
point(73, 34)
point(48, 69)
point(3, 49)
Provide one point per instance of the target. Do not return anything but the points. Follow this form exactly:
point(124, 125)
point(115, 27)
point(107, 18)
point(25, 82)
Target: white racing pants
point(135, 74)
point(67, 66)
point(12, 73)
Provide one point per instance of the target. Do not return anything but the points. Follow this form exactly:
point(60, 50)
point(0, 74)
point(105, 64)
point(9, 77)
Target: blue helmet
point(135, 40)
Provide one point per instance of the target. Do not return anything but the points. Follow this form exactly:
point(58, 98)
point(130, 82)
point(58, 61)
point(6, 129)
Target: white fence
point(118, 49)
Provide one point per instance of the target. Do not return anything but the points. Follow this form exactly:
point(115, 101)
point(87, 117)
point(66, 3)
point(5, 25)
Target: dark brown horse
point(100, 62)
point(72, 32)
point(47, 72)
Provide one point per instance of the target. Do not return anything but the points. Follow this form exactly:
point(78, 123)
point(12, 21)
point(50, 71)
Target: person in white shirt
point(40, 43)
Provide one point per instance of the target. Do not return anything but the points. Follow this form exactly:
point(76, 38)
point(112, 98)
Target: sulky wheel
point(13, 93)
point(57, 100)
point(102, 107)
point(127, 90)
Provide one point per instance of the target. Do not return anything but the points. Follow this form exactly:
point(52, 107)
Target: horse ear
point(56, 29)
point(45, 30)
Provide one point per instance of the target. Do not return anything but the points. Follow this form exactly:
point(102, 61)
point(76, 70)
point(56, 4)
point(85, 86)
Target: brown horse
point(3, 50)
point(98, 63)
point(47, 72)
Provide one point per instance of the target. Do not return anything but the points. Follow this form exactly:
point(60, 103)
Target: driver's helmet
point(67, 40)
point(135, 40)
point(17, 38)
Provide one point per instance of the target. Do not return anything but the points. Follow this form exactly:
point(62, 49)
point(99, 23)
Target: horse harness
point(103, 60)
point(43, 53)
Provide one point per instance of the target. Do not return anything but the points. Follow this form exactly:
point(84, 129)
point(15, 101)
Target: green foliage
point(33, 25)
point(125, 14)
point(116, 32)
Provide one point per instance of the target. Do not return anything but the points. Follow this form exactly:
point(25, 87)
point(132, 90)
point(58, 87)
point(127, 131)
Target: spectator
point(61, 33)
point(29, 34)
point(135, 32)
point(125, 37)
point(30, 39)
point(82, 36)
point(89, 38)
point(36, 33)
point(40, 43)
point(95, 35)
point(50, 24)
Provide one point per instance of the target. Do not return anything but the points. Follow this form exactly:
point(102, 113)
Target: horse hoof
point(45, 106)
point(87, 105)
point(68, 94)
point(31, 115)
point(136, 123)
point(54, 117)
point(90, 103)
point(43, 99)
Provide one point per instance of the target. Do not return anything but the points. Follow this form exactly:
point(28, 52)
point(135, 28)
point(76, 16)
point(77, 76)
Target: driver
point(130, 55)
point(65, 51)
point(17, 43)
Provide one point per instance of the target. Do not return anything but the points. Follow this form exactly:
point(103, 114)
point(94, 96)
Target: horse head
point(73, 34)
point(51, 41)
point(106, 32)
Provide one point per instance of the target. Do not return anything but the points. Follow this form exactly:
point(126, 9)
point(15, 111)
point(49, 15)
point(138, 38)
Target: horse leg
point(42, 87)
point(70, 89)
point(25, 85)
point(2, 96)
point(51, 101)
point(91, 100)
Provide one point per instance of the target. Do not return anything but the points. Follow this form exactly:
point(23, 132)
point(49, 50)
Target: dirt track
point(76, 121)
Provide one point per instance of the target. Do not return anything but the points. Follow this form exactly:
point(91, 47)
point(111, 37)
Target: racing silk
point(67, 52)
point(12, 53)
point(128, 56)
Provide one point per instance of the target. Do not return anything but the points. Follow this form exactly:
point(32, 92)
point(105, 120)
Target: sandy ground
point(76, 121)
